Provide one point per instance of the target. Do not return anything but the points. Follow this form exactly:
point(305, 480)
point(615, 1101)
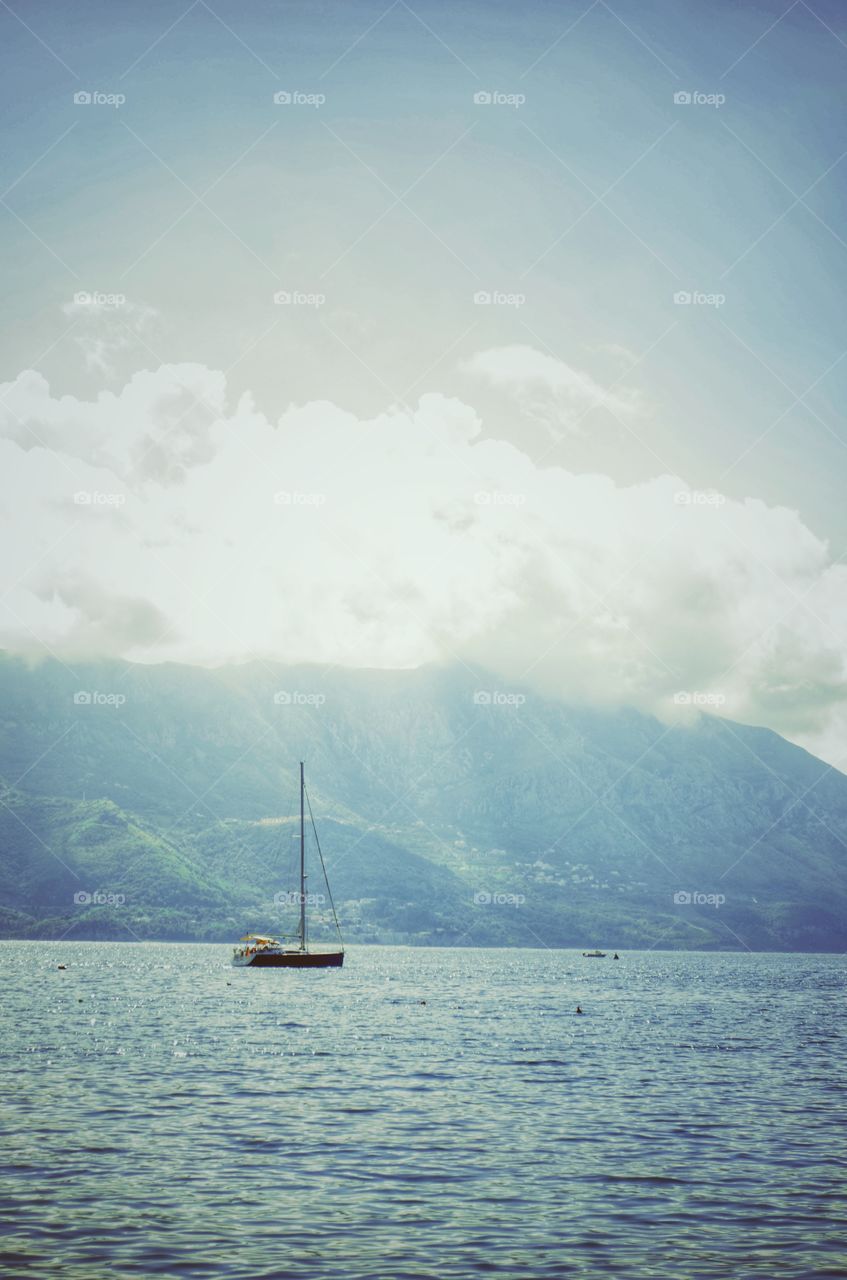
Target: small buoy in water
point(422, 1002)
point(578, 1009)
point(61, 966)
point(79, 999)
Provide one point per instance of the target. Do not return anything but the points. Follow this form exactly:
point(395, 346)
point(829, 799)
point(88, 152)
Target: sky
point(382, 334)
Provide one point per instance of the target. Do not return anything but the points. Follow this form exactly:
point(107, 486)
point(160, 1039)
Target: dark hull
point(299, 960)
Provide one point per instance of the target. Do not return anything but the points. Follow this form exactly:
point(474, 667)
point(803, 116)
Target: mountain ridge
point(432, 798)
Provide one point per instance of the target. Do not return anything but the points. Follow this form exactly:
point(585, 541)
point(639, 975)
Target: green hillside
point(444, 817)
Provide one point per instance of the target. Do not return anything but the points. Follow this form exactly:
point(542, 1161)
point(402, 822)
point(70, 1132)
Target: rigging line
point(323, 867)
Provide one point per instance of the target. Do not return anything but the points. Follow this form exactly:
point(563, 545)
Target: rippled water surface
point(421, 1113)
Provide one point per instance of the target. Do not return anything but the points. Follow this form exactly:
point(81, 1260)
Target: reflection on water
point(166, 1115)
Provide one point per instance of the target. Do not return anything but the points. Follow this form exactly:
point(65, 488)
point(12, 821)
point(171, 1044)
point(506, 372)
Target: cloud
point(106, 325)
point(156, 428)
point(211, 534)
point(92, 619)
point(546, 389)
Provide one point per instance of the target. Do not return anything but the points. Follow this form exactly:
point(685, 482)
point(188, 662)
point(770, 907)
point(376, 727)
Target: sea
point(421, 1113)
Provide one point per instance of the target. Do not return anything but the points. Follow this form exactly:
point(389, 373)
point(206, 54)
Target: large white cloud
point(160, 522)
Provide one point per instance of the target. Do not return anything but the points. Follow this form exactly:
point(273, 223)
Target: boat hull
point(296, 960)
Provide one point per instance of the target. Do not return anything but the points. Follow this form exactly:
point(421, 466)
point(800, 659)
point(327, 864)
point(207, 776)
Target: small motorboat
point(594, 955)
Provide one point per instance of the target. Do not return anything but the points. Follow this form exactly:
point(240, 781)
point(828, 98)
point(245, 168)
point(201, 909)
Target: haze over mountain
point(449, 809)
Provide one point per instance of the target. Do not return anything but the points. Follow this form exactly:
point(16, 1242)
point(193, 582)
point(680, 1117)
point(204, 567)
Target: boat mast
point(302, 865)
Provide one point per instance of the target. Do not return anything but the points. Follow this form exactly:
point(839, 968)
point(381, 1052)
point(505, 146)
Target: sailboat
point(261, 951)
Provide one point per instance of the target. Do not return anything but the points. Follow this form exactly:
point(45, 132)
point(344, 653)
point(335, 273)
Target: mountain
point(451, 809)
